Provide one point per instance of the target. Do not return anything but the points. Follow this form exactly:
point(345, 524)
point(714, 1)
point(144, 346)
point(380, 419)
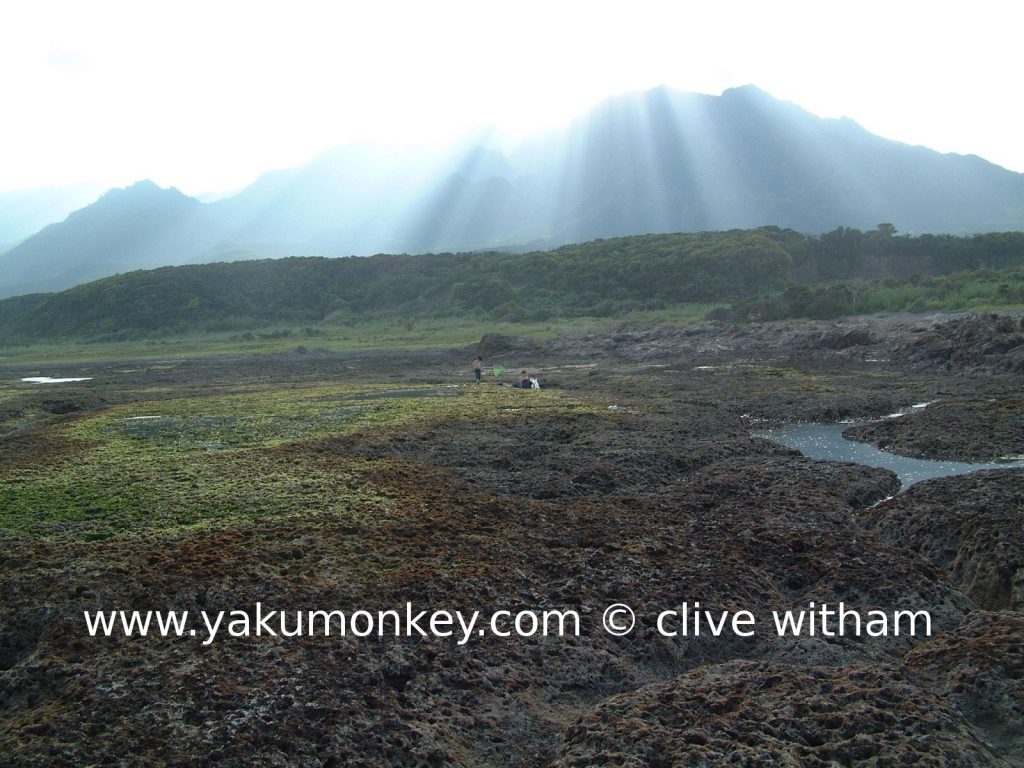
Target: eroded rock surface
point(971, 526)
point(487, 502)
point(974, 431)
point(980, 667)
point(761, 714)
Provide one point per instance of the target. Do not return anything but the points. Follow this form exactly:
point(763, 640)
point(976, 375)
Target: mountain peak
point(748, 91)
point(663, 160)
point(143, 189)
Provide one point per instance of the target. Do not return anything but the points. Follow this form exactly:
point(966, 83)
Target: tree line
point(598, 278)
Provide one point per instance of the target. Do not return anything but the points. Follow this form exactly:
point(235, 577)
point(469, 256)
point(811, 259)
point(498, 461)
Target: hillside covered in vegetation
point(658, 161)
point(749, 269)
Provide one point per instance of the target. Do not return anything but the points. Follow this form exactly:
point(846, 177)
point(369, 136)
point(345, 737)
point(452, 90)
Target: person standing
point(478, 363)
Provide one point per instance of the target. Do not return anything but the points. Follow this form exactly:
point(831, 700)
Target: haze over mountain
point(659, 161)
point(23, 212)
point(126, 229)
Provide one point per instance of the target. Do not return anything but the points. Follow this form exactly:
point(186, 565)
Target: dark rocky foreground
point(664, 499)
point(981, 430)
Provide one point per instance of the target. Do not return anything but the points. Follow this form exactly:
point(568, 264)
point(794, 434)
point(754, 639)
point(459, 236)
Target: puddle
point(48, 380)
point(904, 412)
point(148, 426)
point(826, 442)
point(738, 366)
point(887, 417)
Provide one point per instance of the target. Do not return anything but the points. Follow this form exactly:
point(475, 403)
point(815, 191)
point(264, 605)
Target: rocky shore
point(977, 431)
point(370, 480)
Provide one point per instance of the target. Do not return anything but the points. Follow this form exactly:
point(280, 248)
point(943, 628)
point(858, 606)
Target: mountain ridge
point(23, 212)
point(107, 236)
point(661, 160)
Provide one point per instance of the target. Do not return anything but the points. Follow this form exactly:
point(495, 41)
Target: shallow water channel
point(48, 380)
point(826, 442)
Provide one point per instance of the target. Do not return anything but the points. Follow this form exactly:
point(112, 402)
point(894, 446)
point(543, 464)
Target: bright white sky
point(206, 95)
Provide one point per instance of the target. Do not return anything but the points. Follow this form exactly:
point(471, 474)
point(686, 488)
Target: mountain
point(351, 200)
point(658, 161)
point(137, 227)
point(670, 161)
point(24, 212)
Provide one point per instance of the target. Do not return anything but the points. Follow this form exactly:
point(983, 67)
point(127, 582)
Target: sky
point(205, 96)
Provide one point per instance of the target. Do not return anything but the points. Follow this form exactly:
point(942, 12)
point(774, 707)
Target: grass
point(172, 460)
point(188, 462)
point(975, 292)
point(395, 333)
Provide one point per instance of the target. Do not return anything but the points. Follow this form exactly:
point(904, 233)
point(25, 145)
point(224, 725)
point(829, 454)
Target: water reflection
point(826, 442)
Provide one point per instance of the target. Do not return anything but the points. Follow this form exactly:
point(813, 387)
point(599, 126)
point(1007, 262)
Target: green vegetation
point(979, 290)
point(162, 465)
point(384, 333)
point(599, 279)
point(455, 298)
